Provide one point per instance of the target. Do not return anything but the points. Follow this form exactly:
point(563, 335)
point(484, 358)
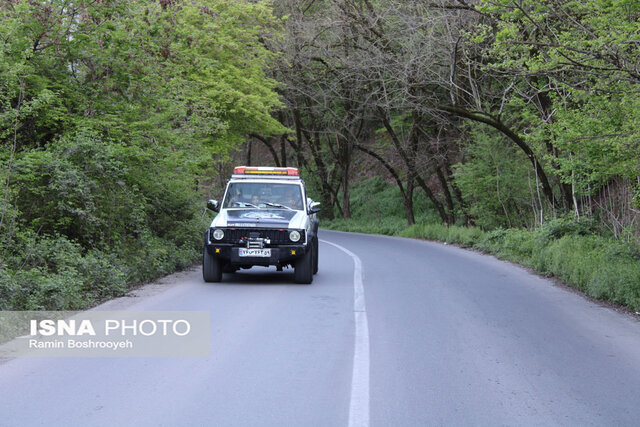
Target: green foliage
point(137, 70)
point(111, 113)
point(389, 226)
point(600, 132)
point(386, 201)
point(376, 200)
point(495, 179)
point(464, 236)
point(57, 274)
point(580, 56)
point(603, 268)
point(559, 227)
point(97, 215)
point(74, 187)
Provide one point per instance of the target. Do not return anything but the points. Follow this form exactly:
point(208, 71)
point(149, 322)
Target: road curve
point(452, 338)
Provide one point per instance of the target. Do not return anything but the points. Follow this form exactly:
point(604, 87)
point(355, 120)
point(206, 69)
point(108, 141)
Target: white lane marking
point(359, 404)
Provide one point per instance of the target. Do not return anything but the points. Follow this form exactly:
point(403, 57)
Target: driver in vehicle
point(236, 197)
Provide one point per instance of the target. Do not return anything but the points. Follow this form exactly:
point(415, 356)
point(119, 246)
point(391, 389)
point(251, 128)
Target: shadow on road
point(259, 276)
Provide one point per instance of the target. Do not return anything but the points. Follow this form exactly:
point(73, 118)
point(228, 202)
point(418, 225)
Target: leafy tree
point(111, 115)
point(491, 180)
point(576, 65)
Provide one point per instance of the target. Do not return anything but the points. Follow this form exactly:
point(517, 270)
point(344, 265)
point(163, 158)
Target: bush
point(94, 218)
point(494, 180)
point(453, 234)
point(556, 228)
point(53, 273)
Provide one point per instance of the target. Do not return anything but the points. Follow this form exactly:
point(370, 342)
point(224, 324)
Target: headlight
point(294, 236)
point(218, 234)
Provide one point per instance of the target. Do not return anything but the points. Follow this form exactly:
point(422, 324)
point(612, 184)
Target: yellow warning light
point(293, 251)
point(217, 250)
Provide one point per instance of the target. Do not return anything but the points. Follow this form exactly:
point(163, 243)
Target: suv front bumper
point(280, 255)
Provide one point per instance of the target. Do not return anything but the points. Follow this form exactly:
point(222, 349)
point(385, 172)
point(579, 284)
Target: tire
point(303, 270)
point(211, 268)
point(315, 256)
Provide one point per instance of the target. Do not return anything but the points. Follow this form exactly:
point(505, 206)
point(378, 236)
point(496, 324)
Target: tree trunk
point(248, 153)
point(458, 194)
point(283, 151)
point(546, 108)
point(267, 143)
point(408, 203)
point(451, 215)
point(346, 205)
point(407, 200)
point(314, 142)
point(407, 161)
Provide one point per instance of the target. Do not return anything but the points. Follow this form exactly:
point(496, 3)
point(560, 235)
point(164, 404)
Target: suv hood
point(264, 218)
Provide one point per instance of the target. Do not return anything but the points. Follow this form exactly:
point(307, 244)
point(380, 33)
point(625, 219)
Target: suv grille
point(275, 235)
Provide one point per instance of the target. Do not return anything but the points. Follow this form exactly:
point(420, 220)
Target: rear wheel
point(211, 268)
point(303, 270)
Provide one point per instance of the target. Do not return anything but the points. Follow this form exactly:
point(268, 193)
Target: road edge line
point(359, 402)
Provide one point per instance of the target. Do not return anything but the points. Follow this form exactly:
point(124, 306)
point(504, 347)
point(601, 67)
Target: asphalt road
point(433, 335)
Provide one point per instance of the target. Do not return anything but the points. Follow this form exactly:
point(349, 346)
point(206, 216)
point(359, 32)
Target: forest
point(511, 126)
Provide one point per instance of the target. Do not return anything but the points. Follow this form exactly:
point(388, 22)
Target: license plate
point(265, 253)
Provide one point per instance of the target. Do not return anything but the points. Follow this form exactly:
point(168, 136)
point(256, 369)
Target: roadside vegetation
point(577, 252)
point(113, 117)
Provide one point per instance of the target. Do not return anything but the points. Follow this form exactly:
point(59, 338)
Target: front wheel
point(211, 268)
point(303, 270)
point(315, 256)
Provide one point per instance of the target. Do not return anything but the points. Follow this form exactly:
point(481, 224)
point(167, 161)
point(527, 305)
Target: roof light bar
point(264, 170)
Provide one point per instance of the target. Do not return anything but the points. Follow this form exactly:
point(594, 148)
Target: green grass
point(389, 226)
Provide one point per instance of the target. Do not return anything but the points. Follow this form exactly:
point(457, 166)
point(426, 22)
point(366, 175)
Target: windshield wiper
point(278, 205)
point(245, 204)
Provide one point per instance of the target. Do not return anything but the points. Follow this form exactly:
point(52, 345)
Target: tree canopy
point(112, 115)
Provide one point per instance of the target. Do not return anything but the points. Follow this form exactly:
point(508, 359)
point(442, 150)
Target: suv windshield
point(262, 195)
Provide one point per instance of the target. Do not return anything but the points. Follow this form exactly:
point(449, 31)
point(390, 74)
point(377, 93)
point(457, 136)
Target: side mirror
point(213, 205)
point(314, 207)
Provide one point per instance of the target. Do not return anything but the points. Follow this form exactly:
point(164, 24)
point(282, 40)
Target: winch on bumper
point(245, 247)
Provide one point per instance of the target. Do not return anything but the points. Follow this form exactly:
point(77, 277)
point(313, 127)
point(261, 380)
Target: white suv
point(265, 218)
